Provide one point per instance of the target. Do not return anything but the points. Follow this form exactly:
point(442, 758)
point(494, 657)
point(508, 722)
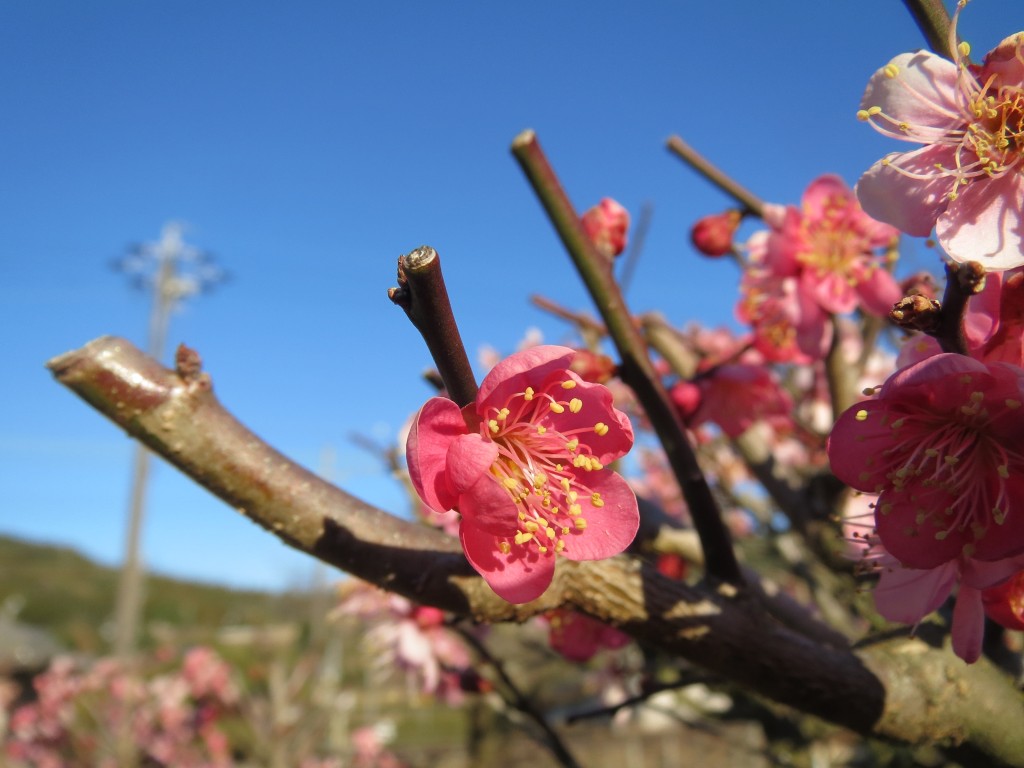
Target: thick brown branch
point(901, 689)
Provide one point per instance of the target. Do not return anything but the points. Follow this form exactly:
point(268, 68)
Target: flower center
point(955, 454)
point(540, 463)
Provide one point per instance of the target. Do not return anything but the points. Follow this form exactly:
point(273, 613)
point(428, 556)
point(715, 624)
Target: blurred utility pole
point(172, 271)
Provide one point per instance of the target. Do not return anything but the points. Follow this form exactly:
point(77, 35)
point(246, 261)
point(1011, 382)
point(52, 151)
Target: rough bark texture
point(901, 689)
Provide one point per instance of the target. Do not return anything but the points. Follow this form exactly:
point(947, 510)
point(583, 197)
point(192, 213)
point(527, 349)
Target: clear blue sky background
point(308, 144)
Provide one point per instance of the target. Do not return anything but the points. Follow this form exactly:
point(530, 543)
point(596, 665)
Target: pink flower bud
point(712, 235)
point(686, 396)
point(606, 224)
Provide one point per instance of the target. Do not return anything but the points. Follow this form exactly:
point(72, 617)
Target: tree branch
point(900, 689)
point(933, 20)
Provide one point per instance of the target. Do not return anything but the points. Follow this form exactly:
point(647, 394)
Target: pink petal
point(488, 506)
point(879, 292)
point(856, 444)
point(1004, 61)
point(924, 93)
point(907, 595)
point(986, 222)
point(822, 194)
point(518, 577)
point(830, 290)
point(982, 575)
point(610, 528)
point(597, 407)
point(516, 372)
point(911, 205)
point(968, 624)
point(434, 429)
point(468, 457)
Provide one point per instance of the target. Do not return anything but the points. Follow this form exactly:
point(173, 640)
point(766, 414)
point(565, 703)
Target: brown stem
point(962, 282)
point(900, 689)
point(747, 199)
point(933, 20)
point(636, 368)
point(422, 294)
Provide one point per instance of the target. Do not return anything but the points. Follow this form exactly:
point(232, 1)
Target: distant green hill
point(73, 598)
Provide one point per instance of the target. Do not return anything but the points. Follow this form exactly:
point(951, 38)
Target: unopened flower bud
point(606, 224)
point(686, 397)
point(712, 235)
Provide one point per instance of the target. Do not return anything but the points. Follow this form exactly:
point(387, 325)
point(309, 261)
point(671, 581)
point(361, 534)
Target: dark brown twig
point(422, 294)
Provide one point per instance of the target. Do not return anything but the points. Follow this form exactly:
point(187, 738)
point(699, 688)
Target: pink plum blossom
point(942, 443)
point(606, 224)
point(829, 245)
point(967, 178)
point(525, 467)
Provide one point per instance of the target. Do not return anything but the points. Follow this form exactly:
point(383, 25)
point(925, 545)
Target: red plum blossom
point(524, 465)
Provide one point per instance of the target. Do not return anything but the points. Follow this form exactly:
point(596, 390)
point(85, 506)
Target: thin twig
point(520, 701)
point(747, 199)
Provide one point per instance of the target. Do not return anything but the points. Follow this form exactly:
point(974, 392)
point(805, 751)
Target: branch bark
point(900, 689)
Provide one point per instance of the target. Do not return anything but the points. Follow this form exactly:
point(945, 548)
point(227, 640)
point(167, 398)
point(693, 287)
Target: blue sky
point(308, 144)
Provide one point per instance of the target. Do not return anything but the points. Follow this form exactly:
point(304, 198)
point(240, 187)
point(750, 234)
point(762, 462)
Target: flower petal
point(437, 425)
point(907, 595)
point(986, 222)
point(910, 204)
point(968, 624)
point(516, 372)
point(518, 577)
point(468, 457)
point(611, 527)
point(923, 93)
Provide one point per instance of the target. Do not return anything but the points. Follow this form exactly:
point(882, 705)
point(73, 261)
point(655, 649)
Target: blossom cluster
point(171, 719)
point(941, 441)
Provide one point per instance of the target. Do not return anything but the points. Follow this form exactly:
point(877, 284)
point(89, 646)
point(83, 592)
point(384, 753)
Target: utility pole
point(173, 272)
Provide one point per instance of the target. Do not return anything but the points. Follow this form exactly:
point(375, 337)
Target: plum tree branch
point(900, 689)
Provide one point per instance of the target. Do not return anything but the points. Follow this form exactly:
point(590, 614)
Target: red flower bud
point(686, 396)
point(713, 235)
point(606, 224)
